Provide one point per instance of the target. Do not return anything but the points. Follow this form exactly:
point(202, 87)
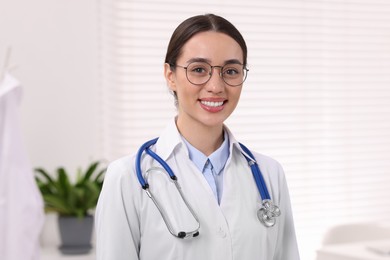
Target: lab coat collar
point(234, 144)
point(170, 139)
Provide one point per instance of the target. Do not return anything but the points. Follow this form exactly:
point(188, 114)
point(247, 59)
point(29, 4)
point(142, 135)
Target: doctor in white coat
point(205, 68)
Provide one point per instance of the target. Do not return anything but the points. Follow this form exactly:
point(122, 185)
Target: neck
point(204, 138)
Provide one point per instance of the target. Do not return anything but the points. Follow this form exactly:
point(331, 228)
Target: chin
point(214, 121)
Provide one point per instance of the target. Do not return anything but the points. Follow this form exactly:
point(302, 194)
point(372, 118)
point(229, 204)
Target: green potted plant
point(73, 201)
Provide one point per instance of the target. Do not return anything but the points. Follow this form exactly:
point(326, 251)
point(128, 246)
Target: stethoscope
point(266, 214)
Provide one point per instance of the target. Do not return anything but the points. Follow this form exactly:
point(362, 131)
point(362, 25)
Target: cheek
point(184, 93)
point(177, 82)
point(236, 94)
point(187, 95)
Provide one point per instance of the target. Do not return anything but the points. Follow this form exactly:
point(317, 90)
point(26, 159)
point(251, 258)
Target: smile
point(212, 104)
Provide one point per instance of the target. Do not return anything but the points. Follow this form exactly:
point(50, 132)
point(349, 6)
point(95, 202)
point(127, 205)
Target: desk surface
point(52, 253)
point(367, 250)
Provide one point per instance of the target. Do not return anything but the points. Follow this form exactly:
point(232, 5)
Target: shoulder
point(261, 159)
point(120, 171)
point(121, 184)
point(269, 167)
point(266, 161)
point(122, 164)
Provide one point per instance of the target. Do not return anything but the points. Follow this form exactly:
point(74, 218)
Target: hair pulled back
point(197, 24)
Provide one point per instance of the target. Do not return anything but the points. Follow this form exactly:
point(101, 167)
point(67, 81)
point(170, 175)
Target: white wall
point(54, 45)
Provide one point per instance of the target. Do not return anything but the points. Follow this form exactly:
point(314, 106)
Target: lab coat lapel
point(197, 178)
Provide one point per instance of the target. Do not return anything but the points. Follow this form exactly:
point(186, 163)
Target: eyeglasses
point(200, 72)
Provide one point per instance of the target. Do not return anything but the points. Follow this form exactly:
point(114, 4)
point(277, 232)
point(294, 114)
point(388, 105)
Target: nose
point(216, 83)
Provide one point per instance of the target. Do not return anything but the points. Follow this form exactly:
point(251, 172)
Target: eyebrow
point(234, 61)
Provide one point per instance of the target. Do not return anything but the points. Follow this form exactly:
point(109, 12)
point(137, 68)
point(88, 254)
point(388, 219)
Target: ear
point(170, 77)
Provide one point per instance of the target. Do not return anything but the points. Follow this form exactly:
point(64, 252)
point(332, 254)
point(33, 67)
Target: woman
point(205, 67)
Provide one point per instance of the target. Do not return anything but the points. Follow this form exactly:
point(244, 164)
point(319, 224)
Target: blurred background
point(317, 97)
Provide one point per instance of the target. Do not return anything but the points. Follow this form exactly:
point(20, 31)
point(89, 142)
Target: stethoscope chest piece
point(267, 213)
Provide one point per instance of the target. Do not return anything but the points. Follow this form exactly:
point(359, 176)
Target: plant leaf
point(46, 176)
point(90, 170)
point(67, 198)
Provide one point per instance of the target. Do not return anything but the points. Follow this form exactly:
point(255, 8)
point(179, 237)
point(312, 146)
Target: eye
point(232, 70)
point(198, 69)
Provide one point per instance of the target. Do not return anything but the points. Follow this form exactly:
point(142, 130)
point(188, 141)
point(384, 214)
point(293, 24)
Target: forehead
point(212, 46)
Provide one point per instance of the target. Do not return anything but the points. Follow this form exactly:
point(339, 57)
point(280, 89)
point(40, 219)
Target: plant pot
point(76, 234)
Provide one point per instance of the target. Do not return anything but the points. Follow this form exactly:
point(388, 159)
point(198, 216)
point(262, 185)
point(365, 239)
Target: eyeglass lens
point(199, 73)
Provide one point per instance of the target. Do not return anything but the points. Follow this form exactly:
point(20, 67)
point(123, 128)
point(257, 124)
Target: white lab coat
point(21, 204)
point(130, 227)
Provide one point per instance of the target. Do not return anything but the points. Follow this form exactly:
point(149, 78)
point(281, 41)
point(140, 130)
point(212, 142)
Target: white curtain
point(317, 97)
point(21, 205)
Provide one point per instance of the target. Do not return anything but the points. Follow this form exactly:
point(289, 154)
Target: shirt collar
point(218, 158)
point(170, 139)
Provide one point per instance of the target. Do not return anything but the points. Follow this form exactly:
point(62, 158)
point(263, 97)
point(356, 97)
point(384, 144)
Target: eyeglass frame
point(244, 68)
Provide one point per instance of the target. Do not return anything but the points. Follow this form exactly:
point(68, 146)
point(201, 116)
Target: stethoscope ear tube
point(162, 163)
point(181, 234)
point(138, 158)
point(145, 186)
point(145, 147)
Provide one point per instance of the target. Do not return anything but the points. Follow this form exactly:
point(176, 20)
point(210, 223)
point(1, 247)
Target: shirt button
point(221, 232)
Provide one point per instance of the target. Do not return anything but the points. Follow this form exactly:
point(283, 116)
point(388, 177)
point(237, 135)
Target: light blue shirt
point(212, 166)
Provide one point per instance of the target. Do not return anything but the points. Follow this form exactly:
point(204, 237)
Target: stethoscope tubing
point(145, 186)
point(138, 162)
point(259, 179)
point(266, 213)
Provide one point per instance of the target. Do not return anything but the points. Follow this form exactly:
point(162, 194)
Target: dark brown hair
point(197, 24)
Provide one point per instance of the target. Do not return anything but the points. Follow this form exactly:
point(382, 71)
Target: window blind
point(317, 97)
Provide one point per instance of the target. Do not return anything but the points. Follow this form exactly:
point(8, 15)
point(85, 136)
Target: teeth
point(212, 104)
